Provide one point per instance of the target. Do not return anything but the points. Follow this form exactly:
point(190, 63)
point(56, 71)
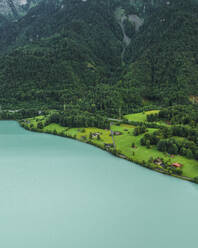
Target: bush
point(40, 125)
point(148, 144)
point(139, 130)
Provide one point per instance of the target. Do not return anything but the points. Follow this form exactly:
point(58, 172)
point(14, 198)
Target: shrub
point(40, 125)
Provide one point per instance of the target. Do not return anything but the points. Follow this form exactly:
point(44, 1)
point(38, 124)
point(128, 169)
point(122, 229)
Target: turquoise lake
point(60, 193)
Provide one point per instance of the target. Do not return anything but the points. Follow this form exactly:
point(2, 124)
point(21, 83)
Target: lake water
point(60, 193)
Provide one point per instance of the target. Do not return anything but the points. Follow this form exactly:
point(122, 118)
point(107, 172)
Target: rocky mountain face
point(16, 8)
point(130, 15)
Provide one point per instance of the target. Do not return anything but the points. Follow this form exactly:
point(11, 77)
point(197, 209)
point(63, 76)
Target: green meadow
point(140, 117)
point(123, 141)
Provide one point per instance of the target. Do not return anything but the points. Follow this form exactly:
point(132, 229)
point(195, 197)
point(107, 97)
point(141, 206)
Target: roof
point(177, 165)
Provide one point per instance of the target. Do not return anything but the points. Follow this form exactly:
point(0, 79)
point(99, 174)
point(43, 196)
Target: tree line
point(174, 140)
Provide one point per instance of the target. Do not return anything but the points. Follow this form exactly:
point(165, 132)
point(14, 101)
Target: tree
point(172, 148)
point(136, 131)
point(148, 144)
point(183, 151)
point(90, 135)
point(189, 153)
point(161, 145)
point(143, 141)
point(150, 160)
point(195, 179)
point(40, 125)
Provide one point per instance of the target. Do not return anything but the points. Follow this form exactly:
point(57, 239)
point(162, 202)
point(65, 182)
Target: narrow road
point(112, 133)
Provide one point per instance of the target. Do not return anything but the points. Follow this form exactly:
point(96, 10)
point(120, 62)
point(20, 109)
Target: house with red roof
point(177, 165)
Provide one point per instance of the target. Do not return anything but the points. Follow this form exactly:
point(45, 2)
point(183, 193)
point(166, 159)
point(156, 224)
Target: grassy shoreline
point(82, 134)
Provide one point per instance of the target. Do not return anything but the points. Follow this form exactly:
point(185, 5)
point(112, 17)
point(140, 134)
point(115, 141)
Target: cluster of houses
point(159, 162)
point(95, 135)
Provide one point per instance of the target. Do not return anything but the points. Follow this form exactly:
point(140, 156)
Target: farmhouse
point(177, 165)
point(117, 133)
point(158, 161)
point(108, 145)
point(95, 135)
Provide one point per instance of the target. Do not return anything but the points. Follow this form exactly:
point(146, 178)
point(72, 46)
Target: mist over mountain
point(98, 55)
point(15, 8)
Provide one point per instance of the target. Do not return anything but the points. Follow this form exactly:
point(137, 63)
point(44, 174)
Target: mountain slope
point(73, 56)
point(165, 66)
point(100, 56)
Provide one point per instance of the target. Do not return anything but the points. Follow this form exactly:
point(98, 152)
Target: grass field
point(140, 117)
point(123, 142)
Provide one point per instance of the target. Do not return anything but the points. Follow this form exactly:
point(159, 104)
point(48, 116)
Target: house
point(158, 161)
point(95, 135)
point(117, 133)
point(108, 145)
point(177, 165)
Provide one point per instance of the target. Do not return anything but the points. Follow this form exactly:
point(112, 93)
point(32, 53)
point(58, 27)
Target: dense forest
point(68, 54)
point(179, 114)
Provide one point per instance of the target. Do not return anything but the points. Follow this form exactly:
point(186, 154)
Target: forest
point(67, 55)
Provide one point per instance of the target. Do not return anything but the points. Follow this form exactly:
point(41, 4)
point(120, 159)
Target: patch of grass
point(127, 126)
point(53, 126)
point(104, 135)
point(34, 121)
point(118, 128)
point(140, 117)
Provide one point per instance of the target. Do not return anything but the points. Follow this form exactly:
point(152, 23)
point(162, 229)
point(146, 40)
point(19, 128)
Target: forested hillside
point(165, 58)
point(110, 57)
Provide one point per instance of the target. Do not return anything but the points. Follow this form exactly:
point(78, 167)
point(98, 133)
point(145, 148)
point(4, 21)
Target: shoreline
point(112, 152)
